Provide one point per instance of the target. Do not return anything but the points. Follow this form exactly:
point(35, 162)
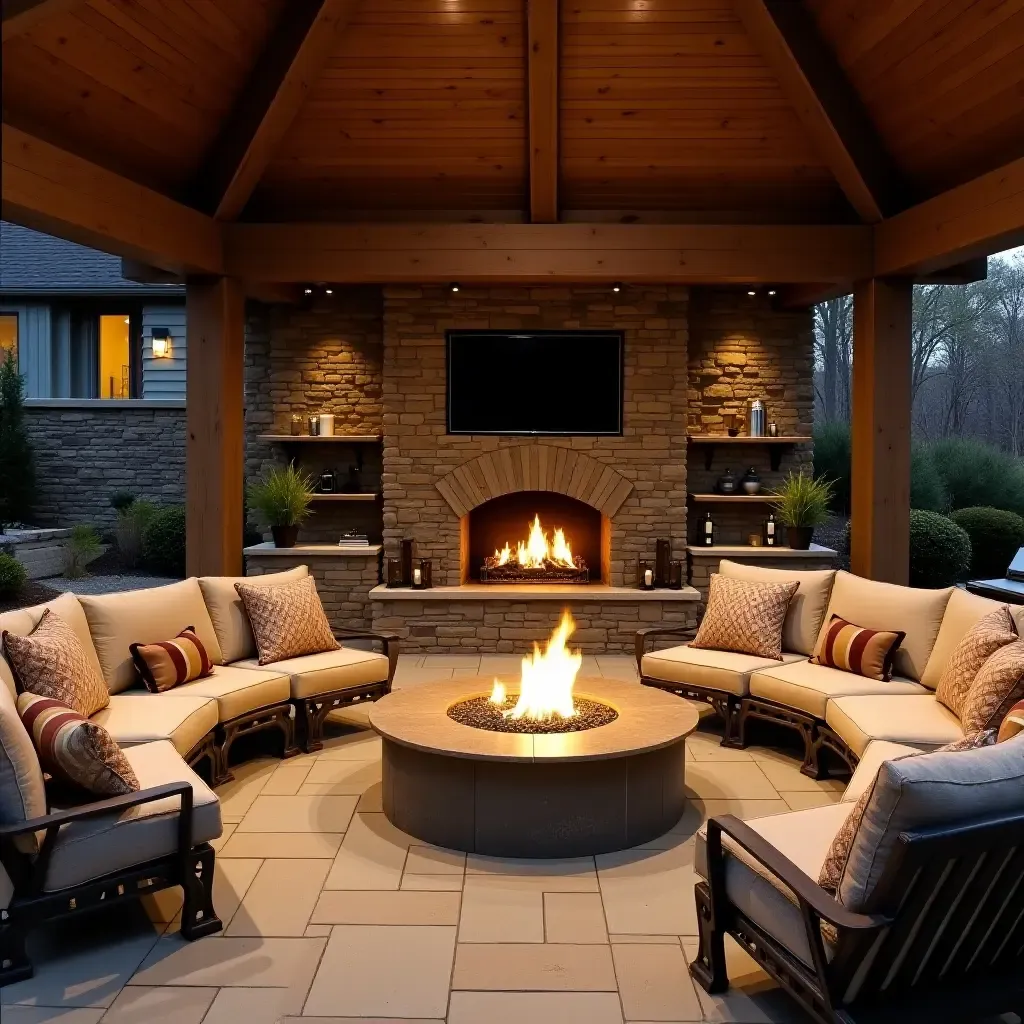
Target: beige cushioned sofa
point(832, 710)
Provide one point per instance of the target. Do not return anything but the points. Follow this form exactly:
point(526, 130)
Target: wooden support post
point(880, 526)
point(215, 328)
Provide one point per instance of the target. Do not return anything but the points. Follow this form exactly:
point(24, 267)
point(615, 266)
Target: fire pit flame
point(545, 686)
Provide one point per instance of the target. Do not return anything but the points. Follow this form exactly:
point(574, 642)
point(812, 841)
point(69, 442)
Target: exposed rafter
point(20, 15)
point(289, 66)
point(977, 218)
point(539, 253)
point(51, 190)
point(542, 59)
point(828, 105)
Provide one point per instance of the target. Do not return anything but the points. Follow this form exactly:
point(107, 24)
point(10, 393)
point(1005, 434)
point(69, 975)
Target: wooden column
point(215, 329)
point(880, 526)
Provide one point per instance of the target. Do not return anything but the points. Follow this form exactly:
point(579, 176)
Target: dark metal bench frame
point(945, 926)
point(31, 905)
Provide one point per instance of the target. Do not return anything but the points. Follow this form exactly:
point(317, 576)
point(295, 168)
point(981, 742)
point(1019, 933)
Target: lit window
point(8, 334)
point(115, 372)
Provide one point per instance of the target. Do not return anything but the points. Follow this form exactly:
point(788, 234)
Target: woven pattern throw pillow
point(50, 662)
point(745, 617)
point(73, 749)
point(839, 853)
point(978, 644)
point(850, 648)
point(996, 688)
point(170, 663)
point(287, 620)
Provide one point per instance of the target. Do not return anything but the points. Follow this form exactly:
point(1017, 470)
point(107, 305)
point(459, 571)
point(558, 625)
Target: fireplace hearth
point(534, 537)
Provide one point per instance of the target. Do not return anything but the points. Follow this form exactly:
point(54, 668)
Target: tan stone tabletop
point(648, 719)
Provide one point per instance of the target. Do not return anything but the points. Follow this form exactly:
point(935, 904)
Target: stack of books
point(353, 540)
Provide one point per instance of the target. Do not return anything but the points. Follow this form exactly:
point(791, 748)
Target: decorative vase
point(751, 482)
point(726, 483)
point(799, 537)
point(285, 536)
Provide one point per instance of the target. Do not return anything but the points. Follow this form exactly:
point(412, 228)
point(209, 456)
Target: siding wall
point(164, 379)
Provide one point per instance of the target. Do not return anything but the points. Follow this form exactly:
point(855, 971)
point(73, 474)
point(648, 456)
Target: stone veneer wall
point(702, 566)
point(741, 349)
point(84, 452)
point(321, 357)
point(651, 453)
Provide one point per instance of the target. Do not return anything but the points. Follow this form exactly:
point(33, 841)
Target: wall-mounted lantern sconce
point(161, 343)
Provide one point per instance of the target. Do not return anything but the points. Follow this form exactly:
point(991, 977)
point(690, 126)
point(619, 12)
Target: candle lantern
point(421, 575)
point(675, 575)
point(662, 556)
point(645, 575)
point(395, 573)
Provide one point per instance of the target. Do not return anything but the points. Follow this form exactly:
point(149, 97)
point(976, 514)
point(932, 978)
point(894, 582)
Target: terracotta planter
point(285, 536)
point(799, 537)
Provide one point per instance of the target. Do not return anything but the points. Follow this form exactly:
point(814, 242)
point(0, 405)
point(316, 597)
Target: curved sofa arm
point(643, 635)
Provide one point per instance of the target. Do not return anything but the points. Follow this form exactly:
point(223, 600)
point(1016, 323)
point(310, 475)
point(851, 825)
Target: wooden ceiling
point(666, 110)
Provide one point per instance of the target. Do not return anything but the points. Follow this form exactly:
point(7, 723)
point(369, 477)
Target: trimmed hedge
point(978, 475)
point(163, 541)
point(12, 575)
point(940, 551)
point(995, 534)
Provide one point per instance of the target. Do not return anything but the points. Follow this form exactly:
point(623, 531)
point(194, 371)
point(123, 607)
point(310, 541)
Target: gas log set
point(538, 559)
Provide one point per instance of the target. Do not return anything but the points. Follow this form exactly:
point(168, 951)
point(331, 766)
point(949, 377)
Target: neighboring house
point(80, 329)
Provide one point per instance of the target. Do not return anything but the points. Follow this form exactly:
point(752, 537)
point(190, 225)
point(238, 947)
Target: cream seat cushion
point(24, 620)
point(915, 720)
point(963, 611)
point(699, 666)
point(228, 612)
point(237, 691)
point(313, 674)
point(876, 752)
point(806, 609)
point(804, 686)
point(89, 849)
point(885, 606)
point(139, 717)
point(145, 617)
point(805, 837)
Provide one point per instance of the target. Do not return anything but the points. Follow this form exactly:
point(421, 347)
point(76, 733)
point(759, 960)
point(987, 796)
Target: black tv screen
point(535, 382)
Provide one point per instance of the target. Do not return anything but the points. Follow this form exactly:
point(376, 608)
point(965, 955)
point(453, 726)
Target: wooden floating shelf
point(345, 497)
point(317, 439)
point(734, 499)
point(775, 445)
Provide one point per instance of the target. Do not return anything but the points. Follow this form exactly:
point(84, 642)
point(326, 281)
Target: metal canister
point(758, 418)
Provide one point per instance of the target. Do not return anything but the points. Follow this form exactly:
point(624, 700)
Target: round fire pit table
point(510, 794)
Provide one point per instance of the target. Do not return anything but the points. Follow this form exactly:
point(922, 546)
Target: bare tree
point(1006, 325)
point(833, 334)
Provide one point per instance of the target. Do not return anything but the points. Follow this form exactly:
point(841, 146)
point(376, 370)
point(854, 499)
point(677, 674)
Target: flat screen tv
point(535, 382)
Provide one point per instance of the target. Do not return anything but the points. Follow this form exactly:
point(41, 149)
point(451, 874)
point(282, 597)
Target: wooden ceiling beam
point(542, 92)
point(827, 104)
point(21, 15)
point(539, 253)
point(292, 61)
point(975, 219)
point(54, 191)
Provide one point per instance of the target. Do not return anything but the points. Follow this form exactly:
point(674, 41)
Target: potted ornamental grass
point(804, 503)
point(282, 498)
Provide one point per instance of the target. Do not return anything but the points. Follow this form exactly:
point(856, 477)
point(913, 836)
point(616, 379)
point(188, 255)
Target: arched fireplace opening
point(534, 537)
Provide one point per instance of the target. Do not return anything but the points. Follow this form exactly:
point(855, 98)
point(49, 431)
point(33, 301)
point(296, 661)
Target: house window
point(115, 356)
point(8, 334)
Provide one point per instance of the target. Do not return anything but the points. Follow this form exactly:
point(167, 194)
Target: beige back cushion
point(806, 610)
point(918, 613)
point(962, 612)
point(22, 794)
point(228, 613)
point(24, 620)
point(145, 617)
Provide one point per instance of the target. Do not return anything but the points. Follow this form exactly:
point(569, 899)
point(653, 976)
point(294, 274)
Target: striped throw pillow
point(1013, 723)
point(73, 749)
point(170, 663)
point(850, 648)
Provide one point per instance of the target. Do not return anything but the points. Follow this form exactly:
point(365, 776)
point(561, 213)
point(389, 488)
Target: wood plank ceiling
point(668, 110)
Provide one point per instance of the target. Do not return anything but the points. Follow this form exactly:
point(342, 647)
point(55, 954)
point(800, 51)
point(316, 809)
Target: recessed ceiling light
point(617, 287)
point(307, 291)
point(329, 291)
point(751, 292)
point(454, 286)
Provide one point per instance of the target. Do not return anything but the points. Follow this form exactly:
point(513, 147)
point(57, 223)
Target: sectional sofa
point(55, 861)
point(833, 712)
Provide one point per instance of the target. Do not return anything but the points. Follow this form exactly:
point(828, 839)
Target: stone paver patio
point(331, 914)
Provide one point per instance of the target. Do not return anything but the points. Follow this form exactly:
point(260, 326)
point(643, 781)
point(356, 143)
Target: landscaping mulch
point(31, 593)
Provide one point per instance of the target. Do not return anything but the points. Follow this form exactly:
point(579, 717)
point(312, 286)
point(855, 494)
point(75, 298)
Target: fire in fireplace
point(538, 559)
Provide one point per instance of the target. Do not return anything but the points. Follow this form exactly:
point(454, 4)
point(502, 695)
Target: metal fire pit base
point(533, 795)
